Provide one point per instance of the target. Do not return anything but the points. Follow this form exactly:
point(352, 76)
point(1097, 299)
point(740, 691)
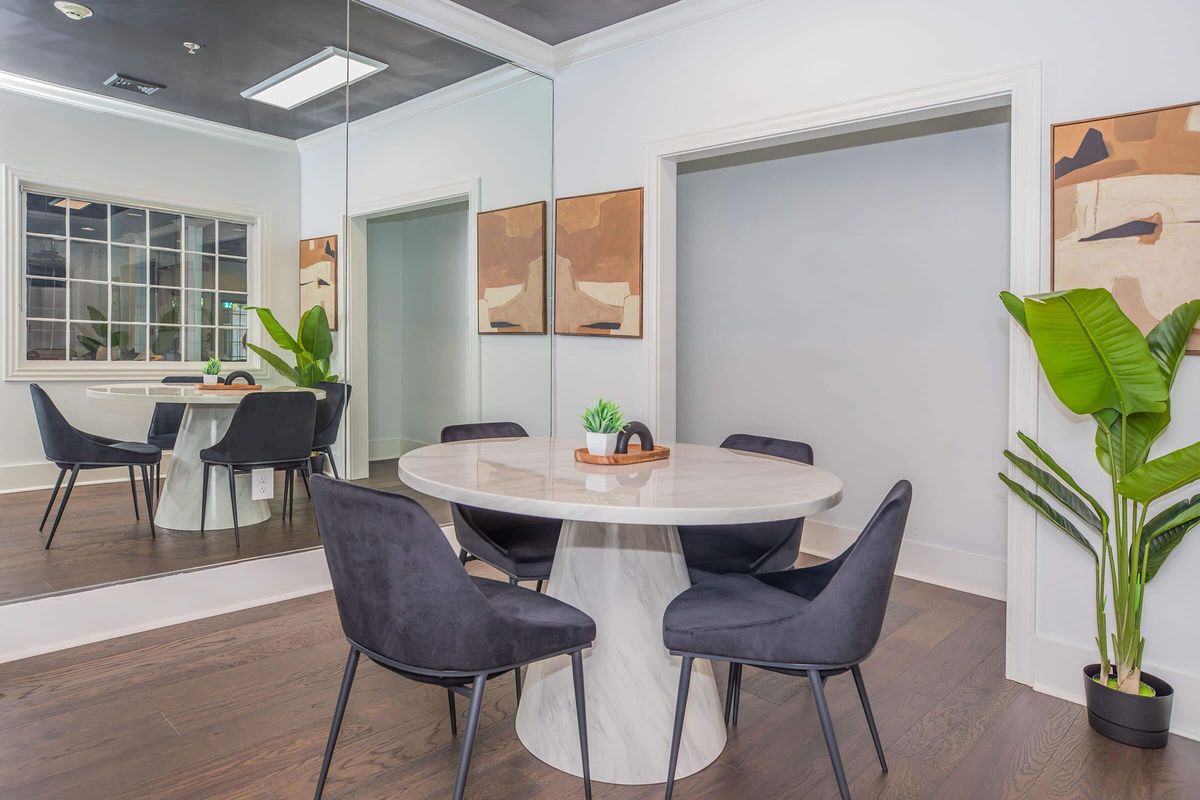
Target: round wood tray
point(636, 455)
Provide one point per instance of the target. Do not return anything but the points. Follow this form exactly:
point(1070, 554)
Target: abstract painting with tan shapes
point(598, 264)
point(318, 276)
point(512, 269)
point(1127, 210)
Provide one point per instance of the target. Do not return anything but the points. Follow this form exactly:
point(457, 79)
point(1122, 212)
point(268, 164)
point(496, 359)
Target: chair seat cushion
point(163, 441)
point(135, 453)
point(523, 546)
point(738, 616)
point(718, 550)
point(541, 625)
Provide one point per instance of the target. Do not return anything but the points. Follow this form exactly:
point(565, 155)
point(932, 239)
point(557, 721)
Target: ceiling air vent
point(133, 84)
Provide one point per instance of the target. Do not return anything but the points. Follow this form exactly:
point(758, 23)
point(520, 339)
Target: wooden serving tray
point(229, 387)
point(636, 455)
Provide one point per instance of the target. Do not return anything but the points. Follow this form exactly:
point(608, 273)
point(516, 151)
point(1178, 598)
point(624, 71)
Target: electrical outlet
point(262, 482)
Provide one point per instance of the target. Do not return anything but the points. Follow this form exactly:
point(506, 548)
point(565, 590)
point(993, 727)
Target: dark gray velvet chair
point(817, 622)
point(406, 603)
point(165, 422)
point(520, 546)
point(72, 449)
point(329, 419)
point(268, 430)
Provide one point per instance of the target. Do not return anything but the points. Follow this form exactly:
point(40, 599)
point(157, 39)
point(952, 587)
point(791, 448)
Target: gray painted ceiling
point(245, 42)
point(555, 21)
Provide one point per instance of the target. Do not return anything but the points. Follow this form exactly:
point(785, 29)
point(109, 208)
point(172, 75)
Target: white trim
point(465, 90)
point(354, 358)
point(474, 29)
point(124, 108)
point(42, 474)
point(1020, 88)
point(930, 563)
point(14, 180)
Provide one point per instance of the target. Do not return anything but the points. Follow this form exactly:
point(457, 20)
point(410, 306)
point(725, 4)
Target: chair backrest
point(401, 591)
point(482, 430)
point(269, 427)
point(167, 417)
point(61, 442)
point(854, 601)
point(329, 412)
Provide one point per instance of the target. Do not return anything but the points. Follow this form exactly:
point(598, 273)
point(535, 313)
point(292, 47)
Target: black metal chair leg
point(158, 480)
point(581, 714)
point(338, 712)
point(856, 671)
point(464, 760)
point(729, 692)
point(304, 471)
point(685, 680)
point(237, 534)
point(332, 463)
point(288, 477)
point(818, 689)
point(133, 490)
point(463, 555)
point(63, 507)
point(538, 588)
point(516, 672)
point(737, 695)
point(204, 496)
point(453, 712)
point(149, 504)
point(62, 471)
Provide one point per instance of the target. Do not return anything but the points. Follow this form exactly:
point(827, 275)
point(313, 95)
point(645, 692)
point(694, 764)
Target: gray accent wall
point(843, 292)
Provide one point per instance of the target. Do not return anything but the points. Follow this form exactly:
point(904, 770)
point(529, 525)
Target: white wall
point(146, 160)
point(788, 56)
point(502, 139)
point(418, 342)
point(831, 292)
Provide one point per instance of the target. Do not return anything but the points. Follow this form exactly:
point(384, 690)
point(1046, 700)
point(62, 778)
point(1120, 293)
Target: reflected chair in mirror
point(165, 422)
point(270, 430)
point(745, 549)
point(815, 622)
point(73, 450)
point(329, 419)
point(406, 603)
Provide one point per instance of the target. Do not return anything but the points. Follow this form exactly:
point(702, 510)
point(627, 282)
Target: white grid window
point(115, 282)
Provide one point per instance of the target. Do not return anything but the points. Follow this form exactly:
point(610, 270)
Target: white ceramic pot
point(601, 444)
point(210, 380)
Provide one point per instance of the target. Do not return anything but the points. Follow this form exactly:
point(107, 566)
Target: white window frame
point(17, 367)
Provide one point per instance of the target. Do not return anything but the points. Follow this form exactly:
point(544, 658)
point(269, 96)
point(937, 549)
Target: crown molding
point(474, 29)
point(78, 98)
point(484, 83)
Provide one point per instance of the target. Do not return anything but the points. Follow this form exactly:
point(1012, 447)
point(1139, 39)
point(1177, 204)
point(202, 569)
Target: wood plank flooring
point(239, 706)
point(99, 542)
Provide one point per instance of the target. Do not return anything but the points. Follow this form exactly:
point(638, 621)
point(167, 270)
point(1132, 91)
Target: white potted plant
point(603, 422)
point(211, 371)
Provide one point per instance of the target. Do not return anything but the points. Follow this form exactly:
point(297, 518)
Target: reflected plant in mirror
point(312, 346)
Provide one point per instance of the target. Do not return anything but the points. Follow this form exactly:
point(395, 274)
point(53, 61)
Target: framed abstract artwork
point(318, 276)
point(1126, 210)
point(598, 265)
point(512, 269)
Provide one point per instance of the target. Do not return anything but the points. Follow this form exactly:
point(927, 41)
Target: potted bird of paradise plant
point(1099, 364)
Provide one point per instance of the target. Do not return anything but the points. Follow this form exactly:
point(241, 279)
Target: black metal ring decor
point(632, 429)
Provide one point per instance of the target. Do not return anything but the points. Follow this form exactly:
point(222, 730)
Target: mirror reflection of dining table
point(620, 560)
point(205, 420)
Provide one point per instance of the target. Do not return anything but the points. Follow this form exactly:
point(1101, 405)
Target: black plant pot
point(1129, 718)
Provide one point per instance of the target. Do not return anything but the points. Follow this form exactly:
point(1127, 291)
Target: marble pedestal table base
point(623, 576)
point(179, 507)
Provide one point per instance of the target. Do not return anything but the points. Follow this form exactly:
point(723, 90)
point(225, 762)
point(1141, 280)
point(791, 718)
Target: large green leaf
point(1177, 514)
point(276, 331)
point(1163, 475)
point(311, 375)
point(1016, 307)
point(1093, 356)
point(1139, 434)
point(281, 366)
point(1056, 489)
point(1162, 545)
point(1065, 476)
point(1168, 339)
point(1057, 519)
point(314, 333)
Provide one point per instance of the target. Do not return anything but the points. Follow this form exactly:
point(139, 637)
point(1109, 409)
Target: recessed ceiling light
point(73, 11)
point(313, 77)
point(74, 205)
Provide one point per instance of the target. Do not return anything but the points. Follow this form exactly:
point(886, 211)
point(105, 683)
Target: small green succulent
point(604, 417)
point(213, 367)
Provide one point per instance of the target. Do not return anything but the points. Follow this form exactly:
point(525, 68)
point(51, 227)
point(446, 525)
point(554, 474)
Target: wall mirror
point(181, 162)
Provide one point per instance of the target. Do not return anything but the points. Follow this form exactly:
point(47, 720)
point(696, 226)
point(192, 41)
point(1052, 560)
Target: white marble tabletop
point(183, 393)
point(697, 485)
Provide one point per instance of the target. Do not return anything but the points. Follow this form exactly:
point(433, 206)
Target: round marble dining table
point(620, 560)
point(205, 420)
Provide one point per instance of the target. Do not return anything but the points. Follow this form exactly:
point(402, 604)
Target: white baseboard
point(380, 449)
point(42, 474)
point(57, 622)
point(954, 569)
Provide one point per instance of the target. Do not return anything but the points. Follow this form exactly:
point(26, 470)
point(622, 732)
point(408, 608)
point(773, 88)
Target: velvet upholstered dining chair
point(815, 622)
point(329, 419)
point(407, 604)
point(165, 422)
point(73, 450)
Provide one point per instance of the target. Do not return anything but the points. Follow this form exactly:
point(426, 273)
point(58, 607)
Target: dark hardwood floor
point(99, 542)
point(238, 706)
